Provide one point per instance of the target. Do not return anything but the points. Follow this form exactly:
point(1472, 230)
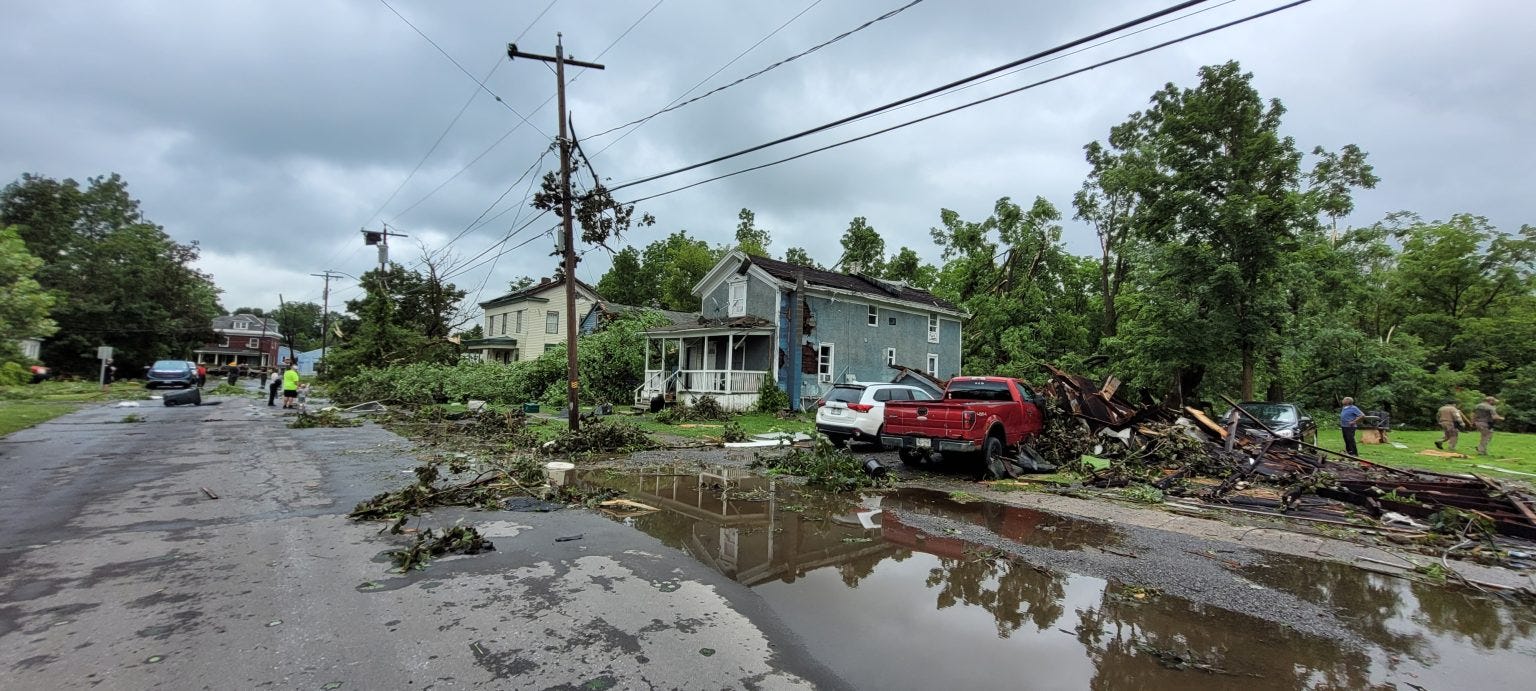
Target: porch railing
point(655, 382)
point(721, 381)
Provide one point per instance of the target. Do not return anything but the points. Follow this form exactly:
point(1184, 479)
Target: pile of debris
point(1186, 453)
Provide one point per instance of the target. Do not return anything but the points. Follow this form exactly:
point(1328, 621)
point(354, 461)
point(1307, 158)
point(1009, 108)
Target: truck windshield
point(978, 391)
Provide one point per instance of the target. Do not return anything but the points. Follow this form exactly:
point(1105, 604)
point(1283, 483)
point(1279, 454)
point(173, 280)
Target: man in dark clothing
point(274, 382)
point(1349, 419)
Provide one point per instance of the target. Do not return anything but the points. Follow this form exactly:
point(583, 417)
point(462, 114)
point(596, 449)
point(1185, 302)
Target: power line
point(435, 144)
point(641, 122)
point(938, 89)
point(476, 223)
point(994, 97)
point(765, 70)
point(456, 63)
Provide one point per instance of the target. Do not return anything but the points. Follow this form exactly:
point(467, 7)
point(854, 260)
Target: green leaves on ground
point(823, 465)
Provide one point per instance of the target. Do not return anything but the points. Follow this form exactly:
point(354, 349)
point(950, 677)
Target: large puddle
point(887, 605)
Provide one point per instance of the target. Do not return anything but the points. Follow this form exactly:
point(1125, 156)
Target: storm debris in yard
point(602, 435)
point(323, 418)
point(822, 465)
point(520, 475)
point(1186, 453)
point(460, 539)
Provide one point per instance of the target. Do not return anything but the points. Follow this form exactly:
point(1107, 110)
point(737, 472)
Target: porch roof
point(743, 326)
point(493, 343)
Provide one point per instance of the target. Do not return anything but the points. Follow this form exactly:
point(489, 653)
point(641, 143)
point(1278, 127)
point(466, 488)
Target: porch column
point(730, 343)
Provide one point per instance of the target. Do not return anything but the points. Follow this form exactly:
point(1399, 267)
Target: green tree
point(1221, 206)
point(905, 265)
point(676, 264)
point(520, 283)
point(121, 281)
point(403, 317)
point(750, 238)
point(1333, 180)
point(863, 249)
point(24, 304)
point(626, 282)
point(799, 257)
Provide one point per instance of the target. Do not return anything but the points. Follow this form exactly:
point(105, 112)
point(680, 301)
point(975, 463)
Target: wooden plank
point(1206, 422)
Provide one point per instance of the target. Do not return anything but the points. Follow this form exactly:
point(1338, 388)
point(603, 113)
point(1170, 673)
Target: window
point(551, 322)
point(490, 324)
point(224, 343)
point(933, 329)
point(891, 320)
point(253, 343)
point(824, 369)
point(519, 328)
point(933, 365)
point(503, 330)
point(737, 306)
point(874, 316)
point(242, 325)
point(890, 357)
point(551, 346)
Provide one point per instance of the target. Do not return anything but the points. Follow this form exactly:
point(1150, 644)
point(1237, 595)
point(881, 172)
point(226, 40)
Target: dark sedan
point(1287, 420)
point(177, 373)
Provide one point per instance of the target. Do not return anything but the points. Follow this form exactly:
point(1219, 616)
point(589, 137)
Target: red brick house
point(246, 339)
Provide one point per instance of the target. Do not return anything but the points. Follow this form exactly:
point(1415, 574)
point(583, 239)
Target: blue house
point(805, 329)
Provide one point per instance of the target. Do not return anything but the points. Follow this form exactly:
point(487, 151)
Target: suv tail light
point(860, 407)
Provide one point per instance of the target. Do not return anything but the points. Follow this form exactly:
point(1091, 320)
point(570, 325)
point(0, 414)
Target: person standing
point(1451, 421)
point(274, 382)
point(1349, 420)
point(202, 375)
point(291, 386)
point(1483, 417)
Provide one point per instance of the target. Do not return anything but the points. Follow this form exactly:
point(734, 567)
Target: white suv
point(857, 411)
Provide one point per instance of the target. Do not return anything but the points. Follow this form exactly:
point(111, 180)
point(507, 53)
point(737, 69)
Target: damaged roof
point(855, 283)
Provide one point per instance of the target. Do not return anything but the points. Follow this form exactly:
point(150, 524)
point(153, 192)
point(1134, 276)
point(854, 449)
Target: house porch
point(727, 363)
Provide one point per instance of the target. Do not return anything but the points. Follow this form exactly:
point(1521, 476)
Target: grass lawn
point(28, 404)
point(751, 423)
point(19, 415)
point(1507, 452)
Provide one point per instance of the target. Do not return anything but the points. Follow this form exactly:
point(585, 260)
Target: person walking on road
point(1349, 419)
point(1451, 421)
point(291, 386)
point(1483, 417)
point(202, 375)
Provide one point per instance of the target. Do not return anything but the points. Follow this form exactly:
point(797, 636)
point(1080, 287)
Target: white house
point(521, 325)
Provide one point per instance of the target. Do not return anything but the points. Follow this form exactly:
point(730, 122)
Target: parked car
point(1288, 420)
point(856, 412)
point(171, 373)
point(994, 417)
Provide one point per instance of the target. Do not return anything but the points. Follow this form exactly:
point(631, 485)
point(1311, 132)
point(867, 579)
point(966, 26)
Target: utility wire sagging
point(948, 111)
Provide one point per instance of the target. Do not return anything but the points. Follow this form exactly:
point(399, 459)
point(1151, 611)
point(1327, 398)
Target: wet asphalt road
point(117, 571)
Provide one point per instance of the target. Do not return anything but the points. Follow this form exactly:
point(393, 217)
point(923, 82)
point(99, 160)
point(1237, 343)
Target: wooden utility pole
point(325, 314)
point(573, 379)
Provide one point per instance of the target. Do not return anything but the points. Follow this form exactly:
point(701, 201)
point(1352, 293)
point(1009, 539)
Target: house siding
point(715, 304)
point(859, 349)
point(532, 339)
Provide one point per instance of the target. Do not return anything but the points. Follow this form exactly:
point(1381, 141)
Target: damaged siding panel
point(715, 304)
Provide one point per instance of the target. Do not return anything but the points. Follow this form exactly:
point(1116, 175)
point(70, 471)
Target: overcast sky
point(271, 131)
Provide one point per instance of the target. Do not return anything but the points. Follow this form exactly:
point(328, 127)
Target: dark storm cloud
point(270, 132)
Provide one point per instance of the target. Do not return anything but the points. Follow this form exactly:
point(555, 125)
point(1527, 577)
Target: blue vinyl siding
point(860, 348)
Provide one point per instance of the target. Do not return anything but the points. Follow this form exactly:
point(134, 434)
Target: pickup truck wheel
point(994, 460)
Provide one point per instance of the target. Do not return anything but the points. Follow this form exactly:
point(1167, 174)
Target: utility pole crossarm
point(513, 53)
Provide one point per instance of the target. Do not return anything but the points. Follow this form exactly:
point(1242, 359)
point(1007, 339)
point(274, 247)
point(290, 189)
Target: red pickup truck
point(996, 416)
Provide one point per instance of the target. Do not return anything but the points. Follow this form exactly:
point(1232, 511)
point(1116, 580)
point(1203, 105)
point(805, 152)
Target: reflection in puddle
point(887, 605)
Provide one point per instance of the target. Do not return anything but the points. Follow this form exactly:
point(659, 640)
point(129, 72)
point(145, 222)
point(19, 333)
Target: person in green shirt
point(291, 386)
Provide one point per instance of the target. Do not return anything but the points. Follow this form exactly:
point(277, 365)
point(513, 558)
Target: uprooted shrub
point(601, 435)
point(460, 539)
point(518, 474)
point(823, 465)
point(705, 409)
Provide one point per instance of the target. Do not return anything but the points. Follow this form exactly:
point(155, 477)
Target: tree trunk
point(1248, 373)
point(1276, 390)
